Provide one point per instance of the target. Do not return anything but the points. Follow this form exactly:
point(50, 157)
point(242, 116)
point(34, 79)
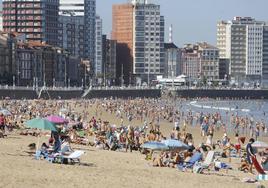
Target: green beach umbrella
point(42, 124)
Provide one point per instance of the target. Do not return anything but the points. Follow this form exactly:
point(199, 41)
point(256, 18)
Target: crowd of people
point(140, 121)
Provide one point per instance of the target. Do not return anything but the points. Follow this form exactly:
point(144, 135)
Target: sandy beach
point(101, 168)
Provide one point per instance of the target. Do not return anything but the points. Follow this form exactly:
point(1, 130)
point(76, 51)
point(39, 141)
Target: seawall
point(209, 93)
point(126, 93)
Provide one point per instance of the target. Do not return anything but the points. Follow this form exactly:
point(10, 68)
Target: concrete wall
point(252, 94)
point(52, 94)
point(18, 94)
point(150, 93)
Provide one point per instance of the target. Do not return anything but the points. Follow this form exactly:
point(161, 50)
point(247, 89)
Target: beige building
point(201, 61)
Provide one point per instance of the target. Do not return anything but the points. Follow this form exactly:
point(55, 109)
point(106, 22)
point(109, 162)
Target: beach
point(104, 168)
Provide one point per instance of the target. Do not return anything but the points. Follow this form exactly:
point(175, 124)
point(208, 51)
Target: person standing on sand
point(2, 123)
point(250, 153)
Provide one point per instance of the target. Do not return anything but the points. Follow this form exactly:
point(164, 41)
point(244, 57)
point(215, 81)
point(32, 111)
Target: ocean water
point(256, 109)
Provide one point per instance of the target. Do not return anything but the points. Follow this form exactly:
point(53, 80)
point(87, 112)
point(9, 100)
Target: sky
point(193, 20)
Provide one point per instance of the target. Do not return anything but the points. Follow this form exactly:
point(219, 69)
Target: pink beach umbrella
point(56, 119)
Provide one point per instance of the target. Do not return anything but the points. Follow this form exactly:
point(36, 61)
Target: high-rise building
point(83, 15)
point(71, 34)
point(139, 29)
point(265, 54)
point(122, 32)
point(242, 42)
point(37, 19)
point(89, 20)
point(98, 47)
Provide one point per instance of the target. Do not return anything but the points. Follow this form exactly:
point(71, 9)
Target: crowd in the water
point(140, 122)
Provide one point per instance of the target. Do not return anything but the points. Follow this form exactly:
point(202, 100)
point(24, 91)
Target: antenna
point(171, 33)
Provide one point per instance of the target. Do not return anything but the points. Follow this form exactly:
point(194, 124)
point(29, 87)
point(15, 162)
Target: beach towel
point(262, 177)
point(257, 165)
point(195, 158)
point(221, 165)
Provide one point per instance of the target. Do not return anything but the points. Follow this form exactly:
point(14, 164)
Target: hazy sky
point(194, 20)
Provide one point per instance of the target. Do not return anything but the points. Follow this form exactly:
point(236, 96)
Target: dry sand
point(103, 168)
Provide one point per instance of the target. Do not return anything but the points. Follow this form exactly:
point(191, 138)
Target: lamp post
point(36, 82)
point(54, 81)
point(14, 80)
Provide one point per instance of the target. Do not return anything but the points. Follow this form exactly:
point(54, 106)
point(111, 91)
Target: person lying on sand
point(176, 160)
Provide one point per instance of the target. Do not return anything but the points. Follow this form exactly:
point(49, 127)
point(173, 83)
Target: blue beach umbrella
point(5, 112)
point(175, 144)
point(155, 146)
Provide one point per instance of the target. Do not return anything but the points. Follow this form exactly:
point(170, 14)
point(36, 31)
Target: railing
point(6, 87)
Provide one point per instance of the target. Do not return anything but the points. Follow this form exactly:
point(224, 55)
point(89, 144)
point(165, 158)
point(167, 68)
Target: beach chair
point(195, 158)
point(73, 157)
point(200, 167)
point(209, 159)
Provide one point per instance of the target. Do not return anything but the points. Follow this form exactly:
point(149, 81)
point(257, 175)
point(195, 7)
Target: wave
point(195, 104)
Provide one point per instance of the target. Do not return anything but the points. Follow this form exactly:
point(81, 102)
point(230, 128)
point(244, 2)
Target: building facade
point(41, 65)
point(98, 48)
point(5, 60)
point(242, 42)
point(172, 60)
point(122, 32)
point(191, 62)
point(138, 28)
point(71, 34)
point(38, 20)
point(109, 60)
point(265, 54)
point(89, 33)
point(201, 61)
point(82, 16)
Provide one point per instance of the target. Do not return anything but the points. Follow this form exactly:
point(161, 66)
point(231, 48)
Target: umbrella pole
point(38, 142)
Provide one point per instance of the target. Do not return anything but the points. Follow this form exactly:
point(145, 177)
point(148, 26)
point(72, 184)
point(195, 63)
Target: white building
point(71, 7)
point(254, 45)
point(98, 46)
point(241, 42)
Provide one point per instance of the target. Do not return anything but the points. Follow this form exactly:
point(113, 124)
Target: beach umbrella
point(42, 124)
point(175, 144)
point(259, 144)
point(56, 119)
point(5, 112)
point(155, 146)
